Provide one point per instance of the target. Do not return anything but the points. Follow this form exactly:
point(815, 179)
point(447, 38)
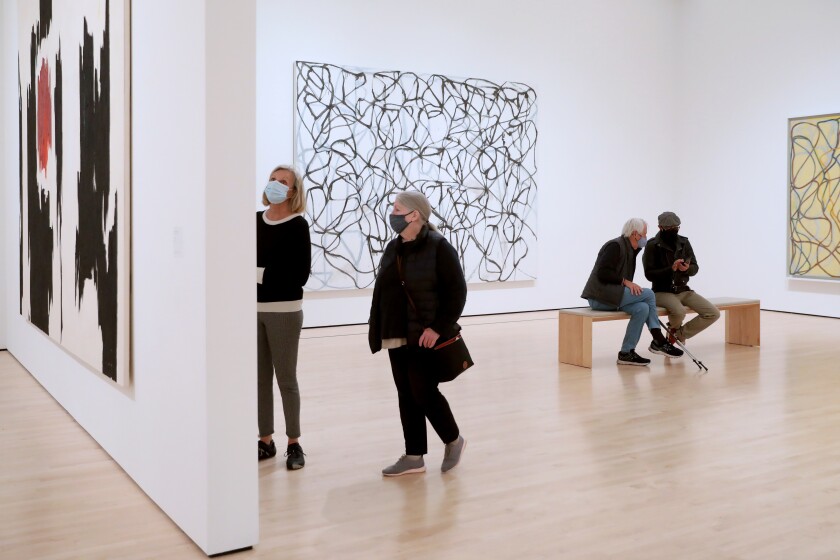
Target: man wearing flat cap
point(669, 262)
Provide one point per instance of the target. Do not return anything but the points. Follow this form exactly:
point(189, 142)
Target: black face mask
point(398, 222)
point(669, 236)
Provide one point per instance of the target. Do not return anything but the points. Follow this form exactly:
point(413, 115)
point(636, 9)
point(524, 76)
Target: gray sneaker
point(452, 454)
point(404, 465)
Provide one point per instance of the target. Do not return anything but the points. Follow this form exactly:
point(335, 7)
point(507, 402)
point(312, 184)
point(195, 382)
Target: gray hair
point(633, 224)
point(415, 200)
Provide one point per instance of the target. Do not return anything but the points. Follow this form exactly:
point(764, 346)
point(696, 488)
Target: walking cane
point(697, 362)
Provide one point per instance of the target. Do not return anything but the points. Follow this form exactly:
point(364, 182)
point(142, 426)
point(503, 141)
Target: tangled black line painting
point(73, 133)
point(467, 144)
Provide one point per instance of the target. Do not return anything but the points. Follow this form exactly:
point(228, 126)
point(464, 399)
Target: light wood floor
point(562, 462)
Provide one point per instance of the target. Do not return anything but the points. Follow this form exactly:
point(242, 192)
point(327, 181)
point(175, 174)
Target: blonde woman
point(283, 266)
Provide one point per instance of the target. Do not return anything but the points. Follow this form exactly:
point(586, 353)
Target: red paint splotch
point(44, 116)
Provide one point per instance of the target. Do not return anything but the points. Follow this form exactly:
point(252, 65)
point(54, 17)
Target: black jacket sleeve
point(452, 290)
point(374, 338)
point(688, 252)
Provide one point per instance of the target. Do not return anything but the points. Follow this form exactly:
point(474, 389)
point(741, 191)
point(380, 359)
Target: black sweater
point(284, 251)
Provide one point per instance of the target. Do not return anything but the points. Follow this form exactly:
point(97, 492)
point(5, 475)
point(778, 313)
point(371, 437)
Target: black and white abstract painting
point(362, 136)
point(74, 177)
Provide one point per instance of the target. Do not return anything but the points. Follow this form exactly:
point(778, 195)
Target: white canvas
point(468, 144)
point(74, 178)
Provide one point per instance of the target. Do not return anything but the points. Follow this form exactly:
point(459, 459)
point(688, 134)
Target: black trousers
point(419, 398)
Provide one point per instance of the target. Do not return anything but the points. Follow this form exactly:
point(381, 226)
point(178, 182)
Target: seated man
point(669, 261)
point(610, 287)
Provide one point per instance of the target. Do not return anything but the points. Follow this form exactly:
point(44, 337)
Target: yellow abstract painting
point(814, 197)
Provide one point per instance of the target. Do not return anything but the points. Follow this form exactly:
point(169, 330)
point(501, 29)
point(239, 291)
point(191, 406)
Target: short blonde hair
point(415, 200)
point(297, 202)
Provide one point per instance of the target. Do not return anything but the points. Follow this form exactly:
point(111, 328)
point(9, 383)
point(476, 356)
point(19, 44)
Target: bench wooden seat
point(575, 332)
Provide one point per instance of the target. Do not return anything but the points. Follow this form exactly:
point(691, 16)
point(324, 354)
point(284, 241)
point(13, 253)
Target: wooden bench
point(742, 327)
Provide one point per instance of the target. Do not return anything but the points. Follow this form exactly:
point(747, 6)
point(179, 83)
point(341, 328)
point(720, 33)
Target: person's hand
point(635, 289)
point(678, 264)
point(429, 338)
point(683, 266)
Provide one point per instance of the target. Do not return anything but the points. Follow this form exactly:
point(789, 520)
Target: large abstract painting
point(467, 144)
point(814, 197)
point(74, 177)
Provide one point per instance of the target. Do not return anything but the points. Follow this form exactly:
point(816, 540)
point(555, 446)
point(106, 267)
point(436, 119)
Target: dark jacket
point(660, 256)
point(433, 278)
point(616, 262)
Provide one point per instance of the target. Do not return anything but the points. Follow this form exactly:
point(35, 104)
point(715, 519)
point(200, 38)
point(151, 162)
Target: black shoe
point(294, 457)
point(631, 359)
point(665, 349)
point(267, 450)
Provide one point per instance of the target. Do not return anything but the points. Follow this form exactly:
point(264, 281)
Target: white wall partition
point(604, 77)
point(185, 430)
point(8, 154)
point(745, 68)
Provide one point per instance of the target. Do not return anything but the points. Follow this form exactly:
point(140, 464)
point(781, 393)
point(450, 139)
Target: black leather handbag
point(451, 357)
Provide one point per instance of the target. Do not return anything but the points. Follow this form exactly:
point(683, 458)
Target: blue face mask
point(276, 192)
point(642, 242)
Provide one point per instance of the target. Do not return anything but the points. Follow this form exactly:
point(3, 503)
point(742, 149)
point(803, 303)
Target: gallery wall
point(604, 77)
point(746, 68)
point(8, 137)
point(184, 430)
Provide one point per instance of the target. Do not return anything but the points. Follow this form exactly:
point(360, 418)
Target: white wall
point(604, 76)
point(746, 67)
point(8, 158)
point(185, 431)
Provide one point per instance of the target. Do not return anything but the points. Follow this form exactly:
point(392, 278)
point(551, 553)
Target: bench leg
point(575, 342)
point(743, 325)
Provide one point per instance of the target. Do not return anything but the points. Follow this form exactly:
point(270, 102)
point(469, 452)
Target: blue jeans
point(642, 308)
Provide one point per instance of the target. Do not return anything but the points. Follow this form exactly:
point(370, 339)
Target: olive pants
point(707, 313)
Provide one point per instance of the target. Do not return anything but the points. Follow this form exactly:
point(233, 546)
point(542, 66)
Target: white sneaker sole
point(666, 354)
point(623, 363)
point(407, 471)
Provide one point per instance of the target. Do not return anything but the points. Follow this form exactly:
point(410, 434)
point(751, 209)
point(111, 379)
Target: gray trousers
point(278, 337)
point(675, 304)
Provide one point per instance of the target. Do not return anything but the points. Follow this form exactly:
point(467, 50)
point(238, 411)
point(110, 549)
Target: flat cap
point(668, 219)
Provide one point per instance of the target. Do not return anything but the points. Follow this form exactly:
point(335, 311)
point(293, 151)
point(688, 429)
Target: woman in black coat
point(418, 298)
